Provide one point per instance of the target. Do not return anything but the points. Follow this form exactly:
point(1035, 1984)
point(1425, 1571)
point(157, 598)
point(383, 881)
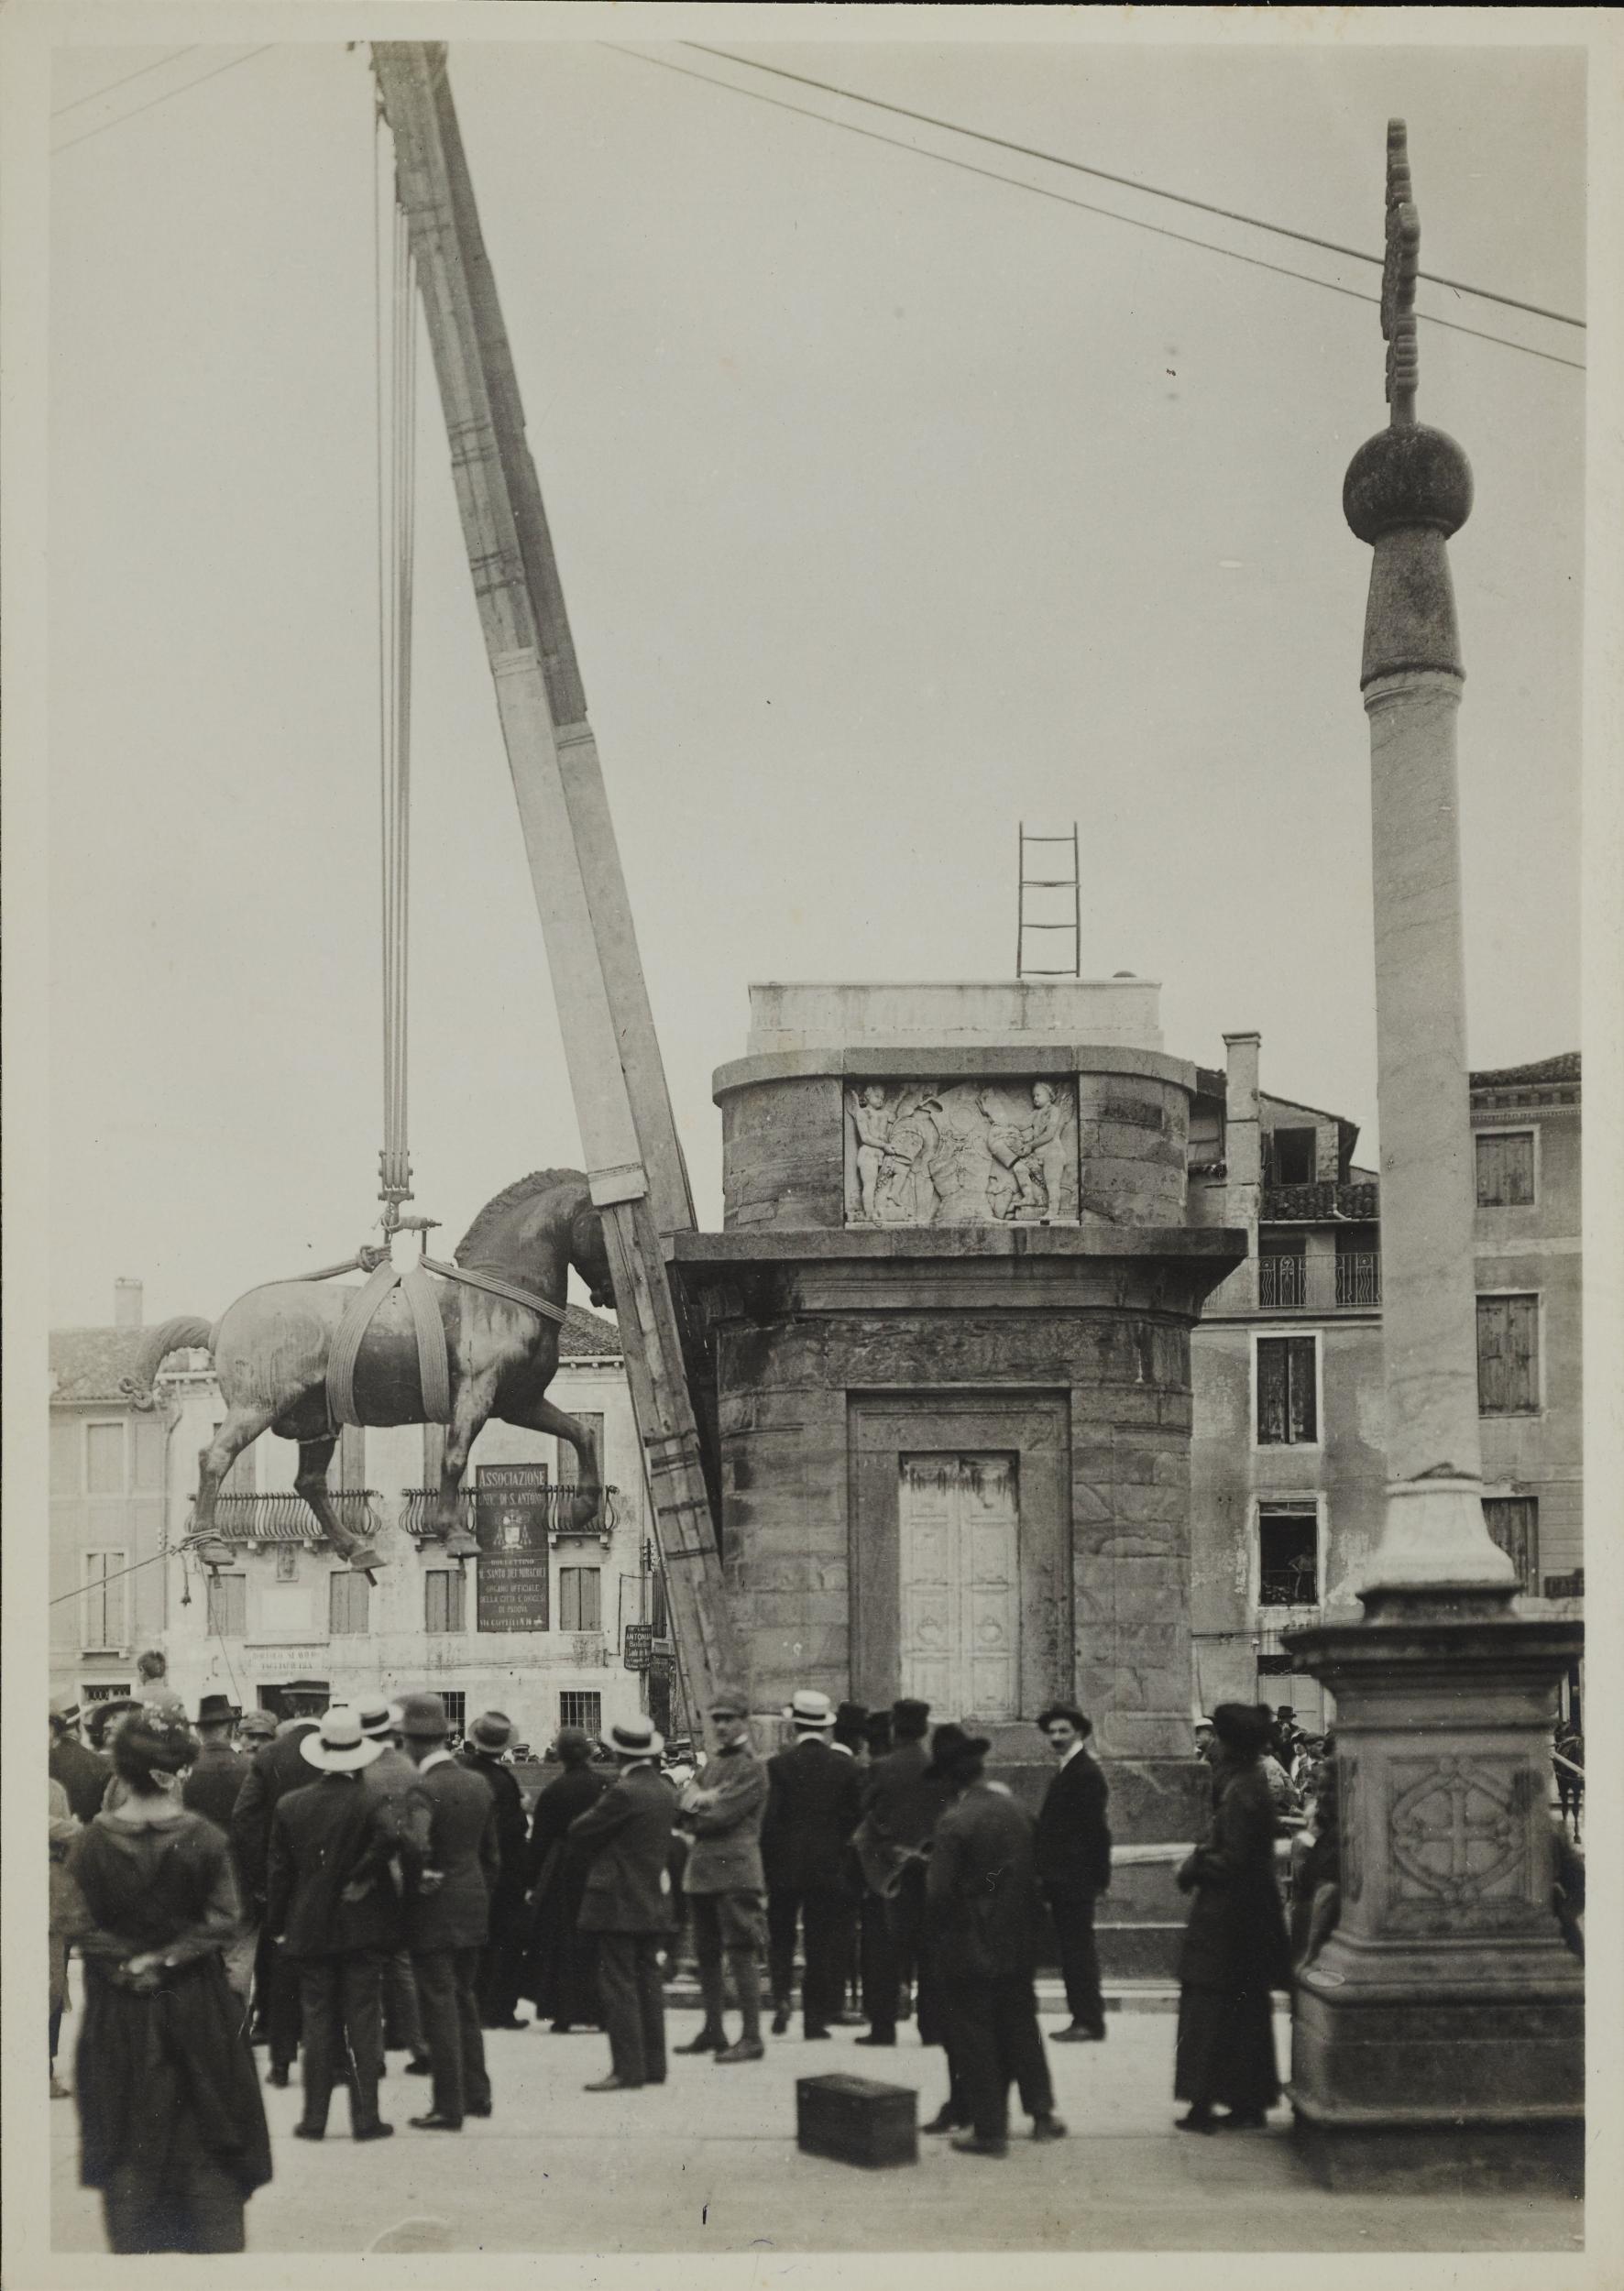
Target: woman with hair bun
point(1235, 1949)
point(171, 2124)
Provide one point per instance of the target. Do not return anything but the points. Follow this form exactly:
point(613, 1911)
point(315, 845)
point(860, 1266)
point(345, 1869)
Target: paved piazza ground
point(708, 2162)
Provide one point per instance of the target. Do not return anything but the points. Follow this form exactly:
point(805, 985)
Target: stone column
point(1439, 2032)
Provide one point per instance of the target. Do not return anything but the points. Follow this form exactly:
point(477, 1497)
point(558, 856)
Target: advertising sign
point(511, 1526)
point(638, 1647)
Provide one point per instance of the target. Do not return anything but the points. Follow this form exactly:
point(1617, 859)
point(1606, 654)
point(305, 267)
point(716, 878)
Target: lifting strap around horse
point(433, 1367)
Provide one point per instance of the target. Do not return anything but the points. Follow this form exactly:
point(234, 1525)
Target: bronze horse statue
point(269, 1351)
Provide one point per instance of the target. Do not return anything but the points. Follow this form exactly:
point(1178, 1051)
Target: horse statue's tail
point(173, 1336)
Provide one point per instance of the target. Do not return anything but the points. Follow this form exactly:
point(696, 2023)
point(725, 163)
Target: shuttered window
point(1514, 1523)
point(580, 1598)
point(569, 1469)
point(228, 1605)
point(347, 1602)
point(1508, 1355)
point(445, 1599)
point(1505, 1169)
point(103, 1459)
point(1288, 1413)
point(103, 1604)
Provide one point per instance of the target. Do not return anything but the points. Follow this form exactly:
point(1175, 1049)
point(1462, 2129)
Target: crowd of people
point(344, 1882)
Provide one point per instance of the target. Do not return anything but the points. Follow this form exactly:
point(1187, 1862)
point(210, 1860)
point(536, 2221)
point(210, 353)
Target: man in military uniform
point(722, 1879)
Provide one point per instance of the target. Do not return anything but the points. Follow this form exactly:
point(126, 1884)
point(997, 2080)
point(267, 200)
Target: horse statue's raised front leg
point(586, 1504)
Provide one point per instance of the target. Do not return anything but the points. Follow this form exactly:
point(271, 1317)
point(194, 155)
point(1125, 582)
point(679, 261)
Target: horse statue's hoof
point(362, 1561)
point(460, 1544)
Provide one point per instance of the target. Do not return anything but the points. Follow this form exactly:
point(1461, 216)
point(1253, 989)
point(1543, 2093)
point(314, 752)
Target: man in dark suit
point(330, 1905)
point(902, 1797)
point(500, 1961)
point(813, 1801)
point(627, 1903)
point(391, 1779)
point(1074, 1865)
point(81, 1773)
point(277, 1769)
point(561, 1963)
point(448, 1915)
point(210, 1789)
point(980, 1898)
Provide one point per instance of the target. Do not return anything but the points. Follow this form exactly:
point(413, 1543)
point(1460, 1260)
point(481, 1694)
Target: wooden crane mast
point(628, 1135)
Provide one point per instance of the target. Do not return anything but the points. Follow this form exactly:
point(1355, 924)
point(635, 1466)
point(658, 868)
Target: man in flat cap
point(501, 1959)
point(448, 1915)
point(722, 1879)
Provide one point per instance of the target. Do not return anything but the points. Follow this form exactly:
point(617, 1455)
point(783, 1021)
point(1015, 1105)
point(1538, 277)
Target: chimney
point(1243, 1151)
point(127, 1304)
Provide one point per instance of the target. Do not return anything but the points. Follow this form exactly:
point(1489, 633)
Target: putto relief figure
point(964, 1154)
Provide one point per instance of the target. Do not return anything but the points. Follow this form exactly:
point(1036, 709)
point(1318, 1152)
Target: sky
point(893, 506)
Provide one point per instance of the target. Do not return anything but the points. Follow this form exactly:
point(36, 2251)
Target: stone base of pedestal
point(1422, 2064)
point(1444, 2160)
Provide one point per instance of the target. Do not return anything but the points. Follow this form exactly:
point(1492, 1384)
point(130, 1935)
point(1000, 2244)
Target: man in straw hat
point(627, 1903)
point(814, 1800)
point(722, 1879)
point(330, 1905)
point(448, 1915)
point(981, 1896)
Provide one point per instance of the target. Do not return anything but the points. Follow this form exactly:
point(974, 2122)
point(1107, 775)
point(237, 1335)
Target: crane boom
point(627, 1133)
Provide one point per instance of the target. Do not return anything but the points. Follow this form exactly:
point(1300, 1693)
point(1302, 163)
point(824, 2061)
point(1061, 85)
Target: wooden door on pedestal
point(959, 1552)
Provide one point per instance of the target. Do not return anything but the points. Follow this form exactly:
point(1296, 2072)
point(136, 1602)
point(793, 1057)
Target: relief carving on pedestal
point(1458, 1838)
point(966, 1154)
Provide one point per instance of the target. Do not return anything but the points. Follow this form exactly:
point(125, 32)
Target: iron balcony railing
point(285, 1517)
point(556, 1503)
point(1347, 1282)
point(1321, 1202)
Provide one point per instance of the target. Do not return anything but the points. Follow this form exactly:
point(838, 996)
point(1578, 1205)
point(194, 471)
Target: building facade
point(1289, 1444)
point(537, 1625)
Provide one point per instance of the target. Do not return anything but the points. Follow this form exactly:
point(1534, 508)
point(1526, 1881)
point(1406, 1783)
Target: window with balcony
point(348, 1608)
point(580, 1598)
point(103, 1604)
point(1505, 1169)
point(1508, 1355)
point(445, 1600)
point(1514, 1523)
point(581, 1709)
point(228, 1605)
point(1287, 1554)
point(104, 1460)
point(1288, 1401)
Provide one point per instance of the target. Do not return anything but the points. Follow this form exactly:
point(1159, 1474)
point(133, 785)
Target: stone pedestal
point(1438, 2038)
point(957, 1243)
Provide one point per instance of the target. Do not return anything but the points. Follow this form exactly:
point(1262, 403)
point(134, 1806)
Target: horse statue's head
point(590, 1257)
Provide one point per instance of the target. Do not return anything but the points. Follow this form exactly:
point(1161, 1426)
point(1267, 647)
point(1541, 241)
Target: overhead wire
point(1111, 215)
point(107, 125)
point(1130, 182)
point(95, 95)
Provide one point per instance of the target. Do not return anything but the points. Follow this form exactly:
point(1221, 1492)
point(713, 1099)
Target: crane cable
point(395, 364)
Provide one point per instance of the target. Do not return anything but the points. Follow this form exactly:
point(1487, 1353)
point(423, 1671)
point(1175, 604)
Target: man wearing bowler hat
point(502, 1960)
point(448, 1915)
point(330, 1905)
point(981, 1900)
point(627, 1903)
point(814, 1800)
point(210, 1789)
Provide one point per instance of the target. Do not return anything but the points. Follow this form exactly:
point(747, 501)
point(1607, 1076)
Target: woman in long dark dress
point(1234, 1949)
point(171, 2124)
point(560, 1962)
